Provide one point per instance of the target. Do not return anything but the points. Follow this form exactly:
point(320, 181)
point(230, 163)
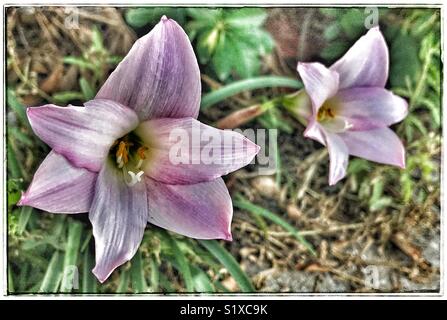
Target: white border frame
point(256, 296)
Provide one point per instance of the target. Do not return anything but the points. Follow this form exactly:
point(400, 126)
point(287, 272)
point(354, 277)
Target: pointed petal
point(369, 108)
point(159, 77)
point(83, 135)
point(380, 145)
point(201, 211)
point(338, 152)
point(119, 216)
point(366, 62)
point(315, 131)
point(58, 187)
point(186, 151)
point(338, 156)
point(320, 83)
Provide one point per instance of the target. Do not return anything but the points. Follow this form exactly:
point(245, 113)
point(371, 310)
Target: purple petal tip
point(164, 18)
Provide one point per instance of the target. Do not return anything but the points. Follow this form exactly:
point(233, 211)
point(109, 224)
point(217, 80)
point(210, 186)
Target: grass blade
point(89, 282)
point(248, 84)
point(24, 216)
point(124, 282)
point(53, 275)
point(18, 108)
point(71, 256)
point(155, 274)
point(202, 282)
point(183, 265)
point(244, 204)
point(137, 274)
point(230, 263)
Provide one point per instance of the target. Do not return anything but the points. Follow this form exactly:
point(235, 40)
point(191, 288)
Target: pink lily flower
point(111, 157)
point(348, 109)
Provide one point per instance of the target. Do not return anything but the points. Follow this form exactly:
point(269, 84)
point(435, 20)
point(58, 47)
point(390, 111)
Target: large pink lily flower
point(111, 157)
point(348, 109)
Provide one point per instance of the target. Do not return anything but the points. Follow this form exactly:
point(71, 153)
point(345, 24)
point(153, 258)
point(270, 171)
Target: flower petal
point(159, 77)
point(320, 83)
point(201, 211)
point(338, 152)
point(380, 145)
point(119, 216)
point(338, 156)
point(369, 108)
point(186, 151)
point(366, 62)
point(58, 187)
point(315, 131)
point(83, 135)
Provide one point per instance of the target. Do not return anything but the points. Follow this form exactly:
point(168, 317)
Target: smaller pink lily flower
point(348, 109)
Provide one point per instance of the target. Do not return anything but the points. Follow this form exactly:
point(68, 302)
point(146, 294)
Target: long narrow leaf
point(138, 281)
point(155, 274)
point(24, 216)
point(230, 264)
point(89, 282)
point(71, 277)
point(183, 265)
point(244, 204)
point(53, 275)
point(247, 84)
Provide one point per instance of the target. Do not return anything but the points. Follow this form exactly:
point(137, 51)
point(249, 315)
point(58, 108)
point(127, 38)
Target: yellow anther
point(324, 113)
point(122, 152)
point(141, 152)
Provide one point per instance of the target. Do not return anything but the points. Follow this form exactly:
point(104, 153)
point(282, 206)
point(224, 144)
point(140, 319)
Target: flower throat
point(129, 154)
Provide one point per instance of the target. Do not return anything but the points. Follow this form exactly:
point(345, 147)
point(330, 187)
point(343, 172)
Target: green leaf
point(230, 264)
point(14, 167)
point(209, 15)
point(137, 274)
point(247, 61)
point(89, 282)
point(248, 84)
point(17, 107)
point(10, 280)
point(53, 275)
point(209, 42)
point(244, 204)
point(224, 57)
point(245, 17)
point(123, 285)
point(71, 255)
point(183, 265)
point(86, 89)
point(332, 31)
point(80, 62)
point(97, 41)
point(66, 96)
point(139, 17)
point(155, 274)
point(20, 136)
point(334, 50)
point(331, 12)
point(202, 282)
point(352, 23)
point(404, 61)
point(24, 216)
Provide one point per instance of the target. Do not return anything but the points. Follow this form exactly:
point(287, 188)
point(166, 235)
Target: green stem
point(248, 84)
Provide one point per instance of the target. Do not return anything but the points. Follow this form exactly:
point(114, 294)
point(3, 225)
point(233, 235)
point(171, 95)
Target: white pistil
point(348, 125)
point(135, 178)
